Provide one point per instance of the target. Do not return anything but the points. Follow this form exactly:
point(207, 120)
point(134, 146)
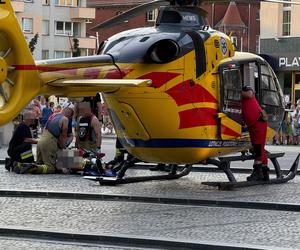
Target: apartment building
point(56, 22)
point(280, 44)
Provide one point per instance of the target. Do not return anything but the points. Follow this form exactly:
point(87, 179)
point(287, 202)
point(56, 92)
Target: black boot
point(265, 171)
point(257, 174)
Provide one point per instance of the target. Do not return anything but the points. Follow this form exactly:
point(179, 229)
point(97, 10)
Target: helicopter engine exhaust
point(163, 51)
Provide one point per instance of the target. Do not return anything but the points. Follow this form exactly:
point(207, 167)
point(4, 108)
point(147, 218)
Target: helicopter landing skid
point(224, 164)
point(121, 179)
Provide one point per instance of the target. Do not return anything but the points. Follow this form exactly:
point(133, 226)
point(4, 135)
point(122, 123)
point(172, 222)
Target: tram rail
point(122, 241)
point(288, 207)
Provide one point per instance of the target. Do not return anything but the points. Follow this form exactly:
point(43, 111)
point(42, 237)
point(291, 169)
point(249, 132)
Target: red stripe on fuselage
point(228, 131)
point(91, 73)
point(197, 117)
point(189, 92)
point(41, 68)
point(159, 78)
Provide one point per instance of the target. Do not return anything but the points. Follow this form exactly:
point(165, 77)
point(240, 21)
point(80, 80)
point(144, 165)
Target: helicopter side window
point(268, 88)
point(232, 85)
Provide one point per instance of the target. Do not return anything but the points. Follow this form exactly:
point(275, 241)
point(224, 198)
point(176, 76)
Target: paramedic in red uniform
point(256, 120)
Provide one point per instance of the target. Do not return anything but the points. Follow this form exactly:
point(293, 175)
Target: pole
point(249, 24)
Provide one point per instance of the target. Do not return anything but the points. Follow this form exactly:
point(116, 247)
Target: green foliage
point(33, 42)
point(76, 50)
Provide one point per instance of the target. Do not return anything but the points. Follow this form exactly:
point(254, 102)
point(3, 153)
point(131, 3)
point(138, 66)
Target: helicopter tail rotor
point(19, 80)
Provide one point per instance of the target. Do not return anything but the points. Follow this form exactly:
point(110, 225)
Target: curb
point(121, 240)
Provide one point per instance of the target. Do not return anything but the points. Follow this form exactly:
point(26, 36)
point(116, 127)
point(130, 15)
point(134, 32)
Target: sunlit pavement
point(256, 228)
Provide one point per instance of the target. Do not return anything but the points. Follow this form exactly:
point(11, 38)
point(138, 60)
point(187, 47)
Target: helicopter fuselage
point(182, 117)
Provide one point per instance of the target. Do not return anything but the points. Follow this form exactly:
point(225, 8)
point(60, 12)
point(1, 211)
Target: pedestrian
point(88, 132)
point(256, 120)
point(46, 113)
point(285, 130)
point(53, 139)
point(20, 145)
point(296, 124)
point(37, 110)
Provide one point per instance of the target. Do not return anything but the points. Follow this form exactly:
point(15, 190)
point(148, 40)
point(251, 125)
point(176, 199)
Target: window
point(234, 40)
point(76, 29)
point(63, 28)
point(62, 54)
point(27, 25)
point(73, 3)
point(45, 27)
point(232, 85)
point(45, 54)
point(151, 15)
point(257, 15)
point(46, 2)
point(257, 44)
point(268, 86)
point(286, 19)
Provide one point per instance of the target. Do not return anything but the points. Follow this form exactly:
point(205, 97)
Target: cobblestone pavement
point(230, 225)
point(32, 244)
point(186, 187)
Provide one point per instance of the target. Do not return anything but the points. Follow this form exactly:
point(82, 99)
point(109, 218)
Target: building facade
point(106, 9)
point(243, 30)
point(280, 45)
point(240, 21)
point(56, 22)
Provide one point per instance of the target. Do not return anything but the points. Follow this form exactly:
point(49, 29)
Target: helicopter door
point(271, 96)
point(230, 115)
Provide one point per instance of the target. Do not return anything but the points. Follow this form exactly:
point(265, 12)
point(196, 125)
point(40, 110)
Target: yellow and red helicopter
point(173, 90)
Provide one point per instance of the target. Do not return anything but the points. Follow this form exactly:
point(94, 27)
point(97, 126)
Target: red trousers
point(258, 134)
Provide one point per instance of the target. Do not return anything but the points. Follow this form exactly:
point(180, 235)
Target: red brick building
point(241, 21)
point(106, 9)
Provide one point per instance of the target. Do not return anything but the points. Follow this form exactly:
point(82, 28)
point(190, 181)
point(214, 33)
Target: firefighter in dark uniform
point(20, 145)
point(88, 129)
point(256, 120)
point(53, 139)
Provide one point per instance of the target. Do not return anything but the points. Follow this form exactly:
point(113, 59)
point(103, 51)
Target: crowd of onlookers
point(81, 121)
point(44, 108)
point(289, 132)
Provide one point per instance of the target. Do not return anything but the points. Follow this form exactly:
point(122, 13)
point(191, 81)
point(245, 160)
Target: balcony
point(82, 13)
point(87, 43)
point(18, 6)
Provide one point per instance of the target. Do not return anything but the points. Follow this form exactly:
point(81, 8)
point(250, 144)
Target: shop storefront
point(284, 57)
point(287, 69)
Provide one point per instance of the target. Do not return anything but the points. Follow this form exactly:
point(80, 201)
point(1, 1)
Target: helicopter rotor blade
point(280, 1)
point(252, 1)
point(130, 14)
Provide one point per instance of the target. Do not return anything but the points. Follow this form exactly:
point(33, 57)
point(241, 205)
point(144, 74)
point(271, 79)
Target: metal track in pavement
point(119, 240)
point(152, 199)
point(201, 168)
point(205, 169)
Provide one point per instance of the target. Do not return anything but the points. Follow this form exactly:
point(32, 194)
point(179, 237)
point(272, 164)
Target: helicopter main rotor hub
point(3, 70)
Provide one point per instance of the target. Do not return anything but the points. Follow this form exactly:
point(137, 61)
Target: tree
point(33, 42)
point(76, 50)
